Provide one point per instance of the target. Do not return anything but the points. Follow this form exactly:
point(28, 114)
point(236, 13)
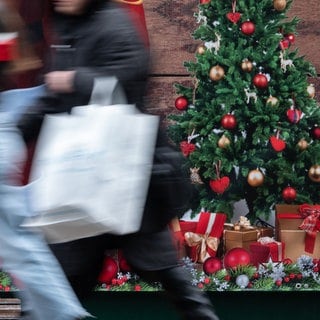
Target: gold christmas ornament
point(272, 101)
point(223, 142)
point(314, 173)
point(255, 178)
point(246, 65)
point(311, 90)
point(303, 144)
point(279, 5)
point(201, 49)
point(216, 73)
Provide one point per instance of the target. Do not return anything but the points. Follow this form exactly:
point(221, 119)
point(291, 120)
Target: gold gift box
point(287, 231)
point(243, 237)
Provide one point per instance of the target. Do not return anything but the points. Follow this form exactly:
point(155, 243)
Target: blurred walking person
point(98, 38)
point(45, 292)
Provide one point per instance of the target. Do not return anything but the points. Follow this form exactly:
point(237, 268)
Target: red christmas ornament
point(204, 1)
point(315, 132)
point(181, 103)
point(277, 143)
point(287, 261)
point(290, 37)
point(123, 263)
point(109, 270)
point(236, 257)
point(294, 115)
point(187, 148)
point(212, 265)
point(248, 28)
point(219, 185)
point(284, 44)
point(228, 121)
point(260, 81)
point(289, 194)
point(234, 17)
point(124, 266)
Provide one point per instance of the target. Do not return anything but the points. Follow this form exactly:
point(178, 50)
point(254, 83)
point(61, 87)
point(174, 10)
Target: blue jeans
point(24, 253)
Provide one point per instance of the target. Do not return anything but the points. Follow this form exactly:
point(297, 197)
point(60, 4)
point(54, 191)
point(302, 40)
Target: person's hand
point(60, 81)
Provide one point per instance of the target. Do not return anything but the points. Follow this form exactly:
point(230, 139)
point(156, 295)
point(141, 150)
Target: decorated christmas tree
point(249, 125)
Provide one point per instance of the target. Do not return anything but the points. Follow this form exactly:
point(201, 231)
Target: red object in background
point(212, 265)
point(236, 257)
point(137, 12)
point(123, 263)
point(181, 103)
point(248, 28)
point(316, 132)
point(204, 1)
point(260, 81)
point(8, 47)
point(262, 252)
point(289, 194)
point(109, 270)
point(229, 121)
point(220, 185)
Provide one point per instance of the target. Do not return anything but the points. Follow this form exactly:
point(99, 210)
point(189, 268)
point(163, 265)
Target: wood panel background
point(170, 24)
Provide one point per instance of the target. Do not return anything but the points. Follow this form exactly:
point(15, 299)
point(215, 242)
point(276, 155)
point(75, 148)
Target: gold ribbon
point(202, 242)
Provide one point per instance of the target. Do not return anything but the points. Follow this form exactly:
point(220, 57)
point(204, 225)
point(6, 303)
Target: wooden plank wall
point(170, 24)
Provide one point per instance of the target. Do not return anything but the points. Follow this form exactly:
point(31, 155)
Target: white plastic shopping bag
point(91, 172)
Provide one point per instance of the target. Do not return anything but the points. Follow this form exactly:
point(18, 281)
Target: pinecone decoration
point(195, 177)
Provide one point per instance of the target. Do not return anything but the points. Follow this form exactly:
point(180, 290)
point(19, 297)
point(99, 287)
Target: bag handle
point(107, 91)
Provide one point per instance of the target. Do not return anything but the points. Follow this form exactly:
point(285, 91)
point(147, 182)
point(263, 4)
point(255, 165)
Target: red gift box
point(179, 228)
point(204, 242)
point(266, 248)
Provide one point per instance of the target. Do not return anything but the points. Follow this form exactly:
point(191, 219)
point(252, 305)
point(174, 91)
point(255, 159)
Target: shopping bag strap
point(107, 91)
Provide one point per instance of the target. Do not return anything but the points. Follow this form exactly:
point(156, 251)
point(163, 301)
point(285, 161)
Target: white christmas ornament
point(242, 281)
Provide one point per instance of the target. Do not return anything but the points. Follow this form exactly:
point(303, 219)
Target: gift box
point(243, 237)
point(179, 228)
point(204, 241)
point(266, 248)
point(8, 46)
point(296, 226)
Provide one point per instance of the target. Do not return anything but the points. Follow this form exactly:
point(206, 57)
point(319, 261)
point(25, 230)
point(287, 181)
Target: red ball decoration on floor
point(124, 265)
point(248, 28)
point(315, 133)
point(109, 270)
point(212, 265)
point(229, 121)
point(260, 81)
point(181, 103)
point(236, 257)
point(289, 194)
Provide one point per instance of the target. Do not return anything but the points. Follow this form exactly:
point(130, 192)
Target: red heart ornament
point(187, 148)
point(277, 144)
point(234, 17)
point(294, 115)
point(219, 185)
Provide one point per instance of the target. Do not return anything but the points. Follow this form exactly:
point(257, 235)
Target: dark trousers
point(151, 255)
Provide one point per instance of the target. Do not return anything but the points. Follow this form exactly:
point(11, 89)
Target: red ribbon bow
point(311, 224)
